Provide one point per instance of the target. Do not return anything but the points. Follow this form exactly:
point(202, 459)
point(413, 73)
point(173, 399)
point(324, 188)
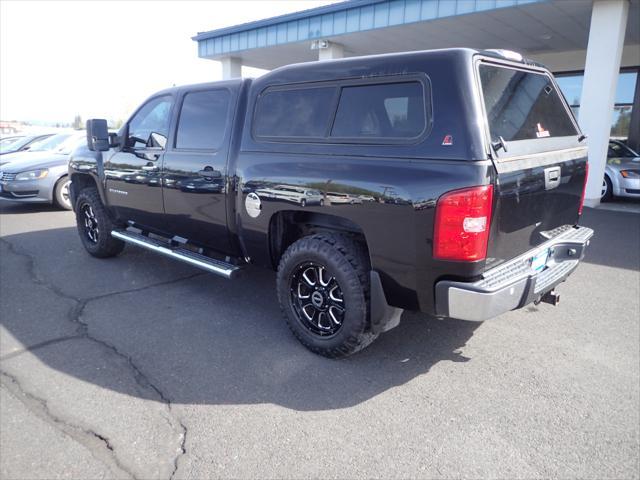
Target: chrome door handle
point(209, 172)
point(552, 176)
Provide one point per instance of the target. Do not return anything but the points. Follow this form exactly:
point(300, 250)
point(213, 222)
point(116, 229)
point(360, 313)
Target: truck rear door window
point(523, 105)
point(296, 112)
point(389, 110)
point(203, 120)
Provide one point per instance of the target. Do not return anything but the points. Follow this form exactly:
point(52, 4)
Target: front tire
point(323, 290)
point(95, 225)
point(607, 189)
point(61, 197)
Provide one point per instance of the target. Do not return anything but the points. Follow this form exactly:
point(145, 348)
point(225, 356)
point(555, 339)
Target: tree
point(621, 126)
point(77, 122)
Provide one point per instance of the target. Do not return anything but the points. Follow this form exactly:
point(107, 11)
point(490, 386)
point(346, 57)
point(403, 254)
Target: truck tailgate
point(534, 198)
point(538, 154)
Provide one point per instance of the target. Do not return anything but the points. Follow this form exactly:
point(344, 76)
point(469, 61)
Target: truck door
point(194, 176)
point(132, 172)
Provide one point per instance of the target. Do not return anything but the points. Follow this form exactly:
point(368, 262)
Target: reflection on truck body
point(291, 193)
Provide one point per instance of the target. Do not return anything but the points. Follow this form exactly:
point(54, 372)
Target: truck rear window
point(523, 105)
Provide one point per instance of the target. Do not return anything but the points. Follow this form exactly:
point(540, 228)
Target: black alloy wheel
point(317, 298)
point(91, 228)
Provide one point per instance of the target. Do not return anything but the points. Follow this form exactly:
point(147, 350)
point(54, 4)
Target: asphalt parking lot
point(141, 367)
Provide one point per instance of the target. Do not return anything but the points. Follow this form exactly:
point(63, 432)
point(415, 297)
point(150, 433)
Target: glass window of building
point(571, 86)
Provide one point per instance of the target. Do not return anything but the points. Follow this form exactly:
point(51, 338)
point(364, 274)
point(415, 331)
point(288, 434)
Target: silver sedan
point(622, 173)
point(40, 176)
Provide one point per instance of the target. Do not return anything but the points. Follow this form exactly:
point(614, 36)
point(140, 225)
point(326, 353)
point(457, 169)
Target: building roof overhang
point(364, 27)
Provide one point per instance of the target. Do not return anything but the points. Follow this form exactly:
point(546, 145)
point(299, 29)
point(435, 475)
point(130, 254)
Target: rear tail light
point(463, 218)
point(584, 187)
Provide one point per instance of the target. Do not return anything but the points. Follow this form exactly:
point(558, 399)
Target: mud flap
point(383, 316)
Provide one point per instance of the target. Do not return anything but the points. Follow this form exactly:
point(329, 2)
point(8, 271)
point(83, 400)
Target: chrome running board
point(224, 269)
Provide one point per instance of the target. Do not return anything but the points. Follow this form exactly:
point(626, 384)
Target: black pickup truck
point(446, 181)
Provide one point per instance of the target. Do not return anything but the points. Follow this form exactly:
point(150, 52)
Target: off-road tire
point(58, 194)
point(348, 263)
point(105, 246)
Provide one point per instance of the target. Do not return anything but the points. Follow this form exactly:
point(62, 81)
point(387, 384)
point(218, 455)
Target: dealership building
point(592, 46)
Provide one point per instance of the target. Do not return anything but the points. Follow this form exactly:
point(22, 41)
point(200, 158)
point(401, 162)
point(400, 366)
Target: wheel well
point(60, 178)
point(81, 181)
point(55, 185)
point(288, 226)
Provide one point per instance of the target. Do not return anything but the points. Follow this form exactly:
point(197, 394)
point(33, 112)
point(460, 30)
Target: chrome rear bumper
point(513, 284)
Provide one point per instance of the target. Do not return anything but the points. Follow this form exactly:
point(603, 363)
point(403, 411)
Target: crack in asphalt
point(74, 316)
point(92, 441)
point(183, 449)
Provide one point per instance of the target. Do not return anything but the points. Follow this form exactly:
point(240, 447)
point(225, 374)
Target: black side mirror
point(114, 140)
point(97, 135)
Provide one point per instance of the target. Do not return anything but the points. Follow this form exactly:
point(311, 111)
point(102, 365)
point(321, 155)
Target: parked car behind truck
point(479, 151)
point(40, 175)
point(21, 144)
point(622, 172)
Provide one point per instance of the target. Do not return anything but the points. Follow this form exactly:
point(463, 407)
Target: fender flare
point(92, 177)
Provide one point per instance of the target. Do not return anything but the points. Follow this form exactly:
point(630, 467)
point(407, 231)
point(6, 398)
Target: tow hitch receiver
point(551, 297)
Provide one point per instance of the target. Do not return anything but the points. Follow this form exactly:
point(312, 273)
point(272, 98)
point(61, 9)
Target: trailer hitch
point(551, 297)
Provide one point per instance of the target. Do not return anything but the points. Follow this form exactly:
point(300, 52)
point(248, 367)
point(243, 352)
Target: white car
point(300, 195)
point(343, 198)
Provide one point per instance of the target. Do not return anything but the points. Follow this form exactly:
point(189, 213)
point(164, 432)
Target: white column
point(231, 67)
point(604, 52)
point(331, 52)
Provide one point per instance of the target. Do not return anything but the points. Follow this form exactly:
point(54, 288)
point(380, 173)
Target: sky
point(100, 59)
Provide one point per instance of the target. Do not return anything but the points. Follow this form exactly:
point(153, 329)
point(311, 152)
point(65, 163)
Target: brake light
point(463, 218)
point(584, 187)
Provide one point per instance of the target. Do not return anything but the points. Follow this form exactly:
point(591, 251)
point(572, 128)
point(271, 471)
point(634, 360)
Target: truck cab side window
point(203, 120)
point(150, 125)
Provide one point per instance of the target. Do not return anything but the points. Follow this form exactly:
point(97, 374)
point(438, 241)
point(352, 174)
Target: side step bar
point(224, 269)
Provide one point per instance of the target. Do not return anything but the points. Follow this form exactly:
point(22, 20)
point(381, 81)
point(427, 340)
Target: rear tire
point(95, 225)
point(607, 189)
point(61, 197)
point(334, 270)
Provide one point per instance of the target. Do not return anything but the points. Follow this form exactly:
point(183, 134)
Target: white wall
point(602, 68)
